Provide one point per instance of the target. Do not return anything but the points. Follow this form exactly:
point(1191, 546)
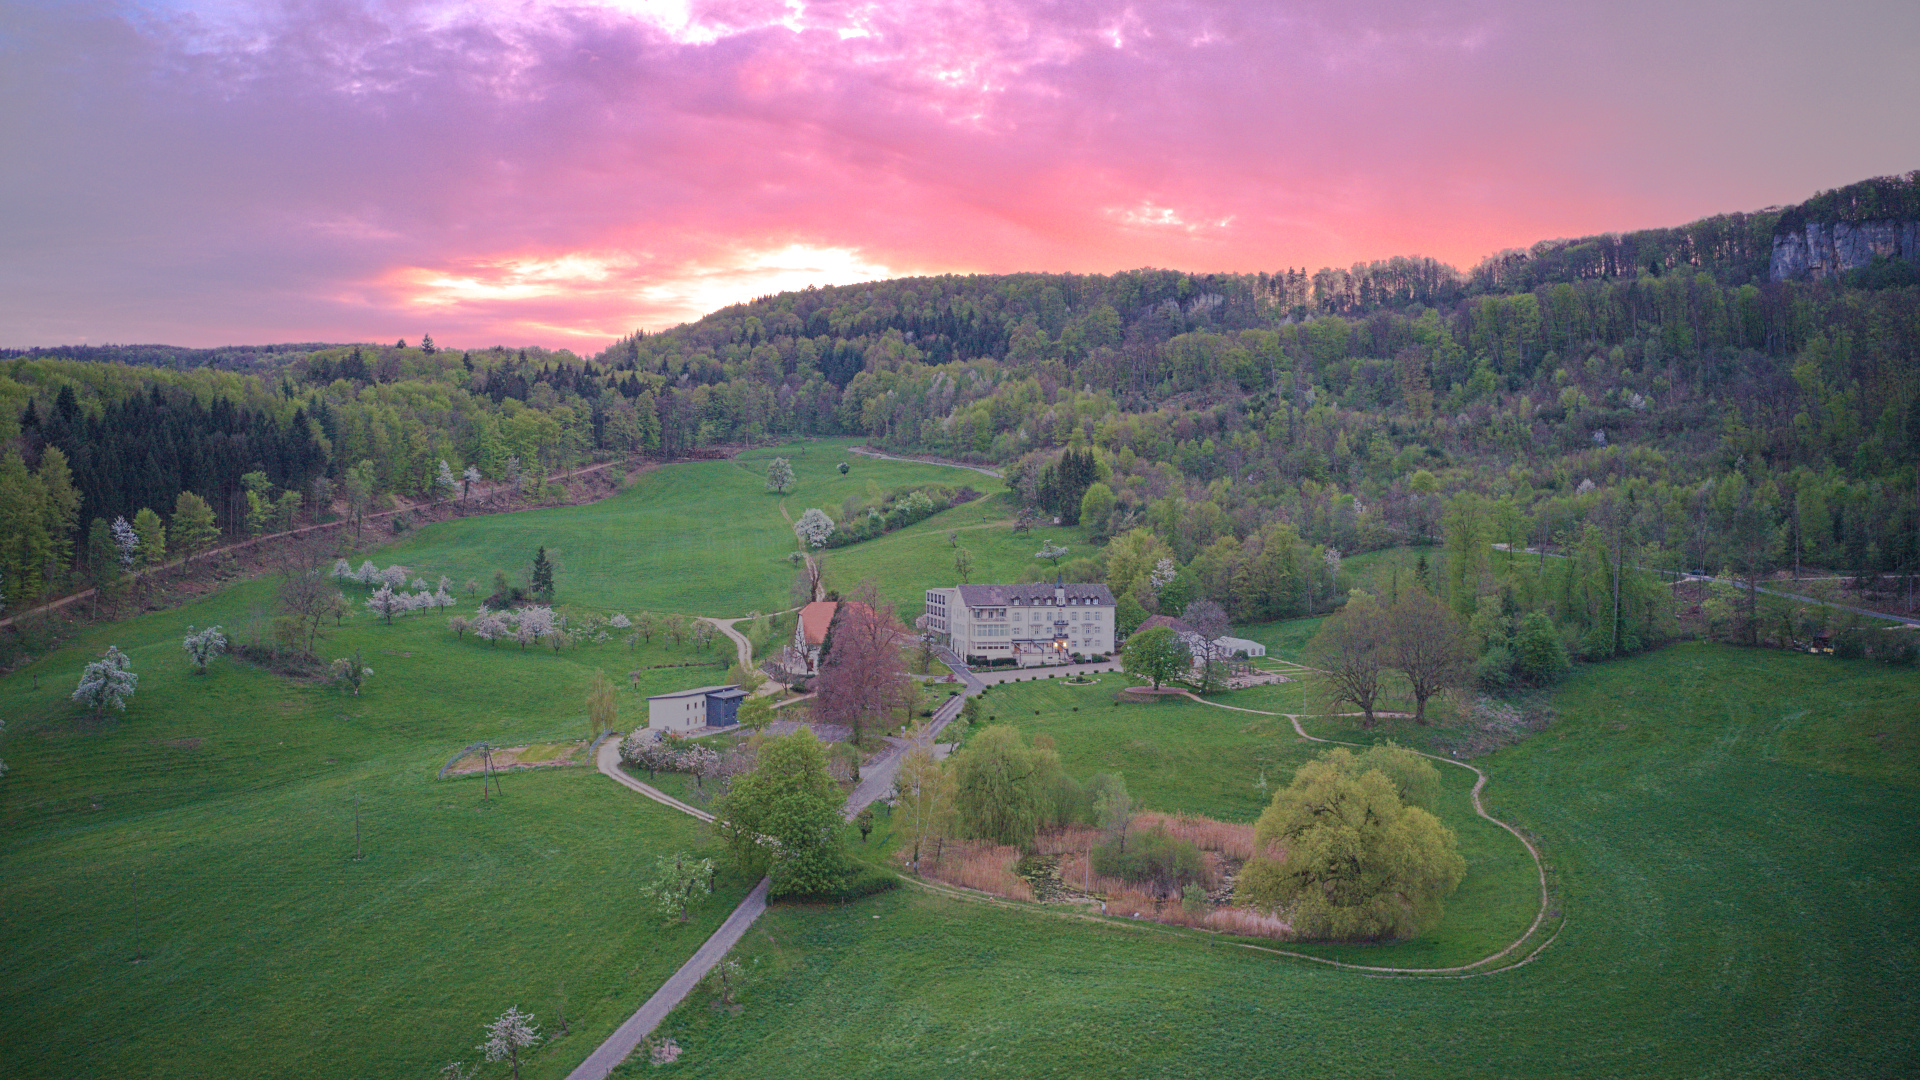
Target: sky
point(208, 172)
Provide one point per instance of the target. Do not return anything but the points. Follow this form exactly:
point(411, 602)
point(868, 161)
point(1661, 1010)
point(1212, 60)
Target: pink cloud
point(562, 173)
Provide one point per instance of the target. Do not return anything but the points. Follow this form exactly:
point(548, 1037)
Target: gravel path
point(1461, 971)
point(875, 781)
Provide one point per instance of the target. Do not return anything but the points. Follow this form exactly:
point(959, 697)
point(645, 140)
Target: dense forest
point(1655, 386)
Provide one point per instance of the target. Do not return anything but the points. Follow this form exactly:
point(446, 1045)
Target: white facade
point(1033, 624)
point(681, 712)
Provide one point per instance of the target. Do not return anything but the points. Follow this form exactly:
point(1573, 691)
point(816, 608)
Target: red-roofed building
point(810, 633)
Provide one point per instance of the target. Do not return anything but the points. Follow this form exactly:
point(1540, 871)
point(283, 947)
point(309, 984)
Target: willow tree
point(1359, 861)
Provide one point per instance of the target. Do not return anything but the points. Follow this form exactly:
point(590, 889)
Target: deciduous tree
point(1426, 643)
point(351, 673)
point(779, 475)
point(193, 526)
point(603, 707)
point(679, 880)
point(1358, 862)
point(203, 645)
point(109, 680)
point(997, 791)
point(1351, 651)
point(863, 682)
point(513, 1032)
point(923, 800)
point(784, 816)
point(1157, 654)
point(814, 527)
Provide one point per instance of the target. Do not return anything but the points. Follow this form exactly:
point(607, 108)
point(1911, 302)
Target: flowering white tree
point(814, 527)
point(107, 681)
point(678, 881)
point(422, 600)
point(126, 540)
point(539, 621)
point(506, 1037)
point(342, 570)
point(443, 479)
point(1163, 572)
point(1051, 550)
point(351, 672)
point(204, 646)
point(515, 475)
point(395, 575)
point(619, 622)
point(467, 480)
point(419, 584)
point(779, 475)
point(487, 626)
point(367, 574)
point(385, 602)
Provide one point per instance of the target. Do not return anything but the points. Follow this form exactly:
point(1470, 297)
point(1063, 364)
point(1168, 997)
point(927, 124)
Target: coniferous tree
point(541, 580)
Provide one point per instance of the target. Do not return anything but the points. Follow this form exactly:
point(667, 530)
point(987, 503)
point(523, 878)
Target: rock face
point(1824, 250)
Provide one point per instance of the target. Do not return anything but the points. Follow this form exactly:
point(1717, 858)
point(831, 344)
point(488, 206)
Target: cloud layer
point(561, 173)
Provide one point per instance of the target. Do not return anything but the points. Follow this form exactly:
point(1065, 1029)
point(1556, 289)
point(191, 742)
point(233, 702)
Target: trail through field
point(864, 452)
point(875, 781)
point(1461, 971)
point(741, 646)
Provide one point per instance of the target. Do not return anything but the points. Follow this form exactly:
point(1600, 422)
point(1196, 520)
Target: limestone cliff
point(1820, 250)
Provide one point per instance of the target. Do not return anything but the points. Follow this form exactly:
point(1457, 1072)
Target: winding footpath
point(1463, 970)
point(875, 781)
point(865, 452)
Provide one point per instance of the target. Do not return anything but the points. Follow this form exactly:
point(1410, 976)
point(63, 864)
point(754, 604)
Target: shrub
point(862, 880)
point(1167, 863)
point(1494, 669)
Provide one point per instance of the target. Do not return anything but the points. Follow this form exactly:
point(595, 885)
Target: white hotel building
point(1033, 624)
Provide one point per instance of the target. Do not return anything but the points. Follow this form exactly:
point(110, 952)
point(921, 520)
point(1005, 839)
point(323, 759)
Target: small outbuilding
point(691, 710)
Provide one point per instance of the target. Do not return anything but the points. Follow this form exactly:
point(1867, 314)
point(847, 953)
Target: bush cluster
point(1166, 863)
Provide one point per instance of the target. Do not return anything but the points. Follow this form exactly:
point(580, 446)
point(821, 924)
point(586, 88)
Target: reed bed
point(1235, 841)
point(976, 865)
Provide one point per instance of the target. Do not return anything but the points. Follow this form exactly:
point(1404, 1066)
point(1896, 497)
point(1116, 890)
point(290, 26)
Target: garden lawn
point(1741, 899)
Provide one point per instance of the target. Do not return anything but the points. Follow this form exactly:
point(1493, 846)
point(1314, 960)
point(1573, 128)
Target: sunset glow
point(209, 171)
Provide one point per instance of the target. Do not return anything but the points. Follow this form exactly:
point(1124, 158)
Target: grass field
point(1181, 756)
point(1740, 901)
point(207, 832)
point(700, 538)
point(229, 798)
point(1732, 835)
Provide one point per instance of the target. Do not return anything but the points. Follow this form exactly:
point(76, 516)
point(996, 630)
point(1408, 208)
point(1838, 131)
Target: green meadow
point(1731, 836)
point(1739, 891)
point(178, 893)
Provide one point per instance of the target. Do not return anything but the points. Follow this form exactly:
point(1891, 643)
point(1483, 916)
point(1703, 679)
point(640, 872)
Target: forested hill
point(226, 357)
point(1710, 419)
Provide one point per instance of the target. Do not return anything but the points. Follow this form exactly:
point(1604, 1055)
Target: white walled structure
point(1033, 624)
point(691, 710)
